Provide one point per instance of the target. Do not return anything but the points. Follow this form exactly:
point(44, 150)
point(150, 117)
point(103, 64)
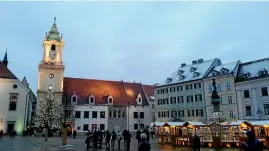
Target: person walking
point(128, 140)
point(252, 144)
point(144, 144)
point(138, 133)
point(1, 134)
point(113, 138)
point(108, 136)
point(196, 143)
point(74, 134)
point(119, 138)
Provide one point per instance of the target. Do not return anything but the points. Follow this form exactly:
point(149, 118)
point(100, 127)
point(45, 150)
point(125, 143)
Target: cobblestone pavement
point(38, 144)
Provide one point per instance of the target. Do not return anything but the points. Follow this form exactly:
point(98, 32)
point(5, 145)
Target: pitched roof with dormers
point(5, 72)
point(191, 72)
point(123, 93)
point(228, 68)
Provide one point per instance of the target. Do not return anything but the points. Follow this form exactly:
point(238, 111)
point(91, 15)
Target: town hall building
point(92, 104)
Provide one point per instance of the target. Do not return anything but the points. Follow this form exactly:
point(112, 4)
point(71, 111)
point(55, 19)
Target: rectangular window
point(180, 99)
point(172, 89)
point(166, 90)
point(141, 114)
point(190, 98)
point(198, 97)
point(231, 113)
point(94, 114)
point(173, 100)
point(102, 127)
point(199, 112)
point(135, 126)
point(153, 106)
point(266, 109)
point(13, 102)
point(135, 114)
point(210, 88)
point(159, 101)
point(158, 91)
point(246, 93)
point(77, 114)
point(102, 114)
point(166, 114)
point(221, 100)
point(190, 113)
point(218, 87)
point(230, 100)
point(86, 114)
point(228, 86)
point(181, 113)
point(197, 85)
point(173, 113)
point(179, 88)
point(91, 99)
point(264, 91)
point(85, 127)
point(119, 113)
point(248, 111)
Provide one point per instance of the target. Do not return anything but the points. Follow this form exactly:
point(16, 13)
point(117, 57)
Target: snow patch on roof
point(254, 67)
point(186, 74)
point(230, 67)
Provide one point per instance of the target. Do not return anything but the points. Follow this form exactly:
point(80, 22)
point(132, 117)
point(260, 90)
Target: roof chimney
point(194, 62)
point(183, 65)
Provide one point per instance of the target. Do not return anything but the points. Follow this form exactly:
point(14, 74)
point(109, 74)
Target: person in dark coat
point(74, 134)
point(108, 136)
point(138, 133)
point(100, 138)
point(128, 139)
point(196, 143)
point(144, 144)
point(125, 134)
point(252, 144)
point(88, 142)
point(95, 139)
point(147, 133)
point(1, 134)
point(113, 138)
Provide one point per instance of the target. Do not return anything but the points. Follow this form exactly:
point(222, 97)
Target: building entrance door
point(10, 127)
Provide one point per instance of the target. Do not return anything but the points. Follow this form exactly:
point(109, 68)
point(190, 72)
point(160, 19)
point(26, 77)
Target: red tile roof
point(122, 92)
point(5, 72)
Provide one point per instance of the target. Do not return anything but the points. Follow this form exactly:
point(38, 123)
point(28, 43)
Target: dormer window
point(246, 75)
point(192, 69)
point(91, 99)
point(139, 99)
point(74, 99)
point(224, 71)
point(181, 77)
point(180, 72)
point(195, 74)
point(169, 80)
point(110, 99)
point(263, 72)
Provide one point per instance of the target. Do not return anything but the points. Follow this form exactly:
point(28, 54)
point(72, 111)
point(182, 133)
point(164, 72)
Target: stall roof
point(259, 123)
point(238, 122)
point(158, 123)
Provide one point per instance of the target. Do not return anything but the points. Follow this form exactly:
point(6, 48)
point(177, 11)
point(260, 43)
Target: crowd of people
point(95, 138)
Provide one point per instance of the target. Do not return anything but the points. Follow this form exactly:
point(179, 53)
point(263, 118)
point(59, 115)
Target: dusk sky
point(141, 41)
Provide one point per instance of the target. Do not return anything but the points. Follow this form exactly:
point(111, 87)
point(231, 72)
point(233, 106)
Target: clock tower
point(51, 68)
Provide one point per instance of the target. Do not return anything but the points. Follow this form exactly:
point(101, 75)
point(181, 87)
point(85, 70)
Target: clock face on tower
point(52, 53)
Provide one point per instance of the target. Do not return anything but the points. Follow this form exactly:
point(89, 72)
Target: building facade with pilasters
point(252, 84)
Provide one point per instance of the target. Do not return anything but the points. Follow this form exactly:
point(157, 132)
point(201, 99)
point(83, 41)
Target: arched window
point(119, 115)
point(53, 47)
point(115, 114)
point(13, 103)
point(123, 114)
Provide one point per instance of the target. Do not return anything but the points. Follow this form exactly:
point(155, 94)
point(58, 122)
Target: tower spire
point(54, 20)
point(5, 61)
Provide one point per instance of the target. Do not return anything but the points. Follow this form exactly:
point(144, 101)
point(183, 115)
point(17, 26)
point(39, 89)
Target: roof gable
point(223, 69)
point(5, 72)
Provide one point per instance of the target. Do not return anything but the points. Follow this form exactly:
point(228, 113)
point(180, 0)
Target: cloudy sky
point(141, 41)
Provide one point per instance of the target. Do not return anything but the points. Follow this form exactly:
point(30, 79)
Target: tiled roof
point(230, 67)
point(121, 92)
point(190, 72)
point(5, 72)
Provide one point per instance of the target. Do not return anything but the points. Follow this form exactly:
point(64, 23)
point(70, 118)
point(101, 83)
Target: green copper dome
point(54, 33)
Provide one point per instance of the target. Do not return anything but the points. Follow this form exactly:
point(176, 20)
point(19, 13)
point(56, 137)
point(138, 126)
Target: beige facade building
point(181, 95)
point(224, 76)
